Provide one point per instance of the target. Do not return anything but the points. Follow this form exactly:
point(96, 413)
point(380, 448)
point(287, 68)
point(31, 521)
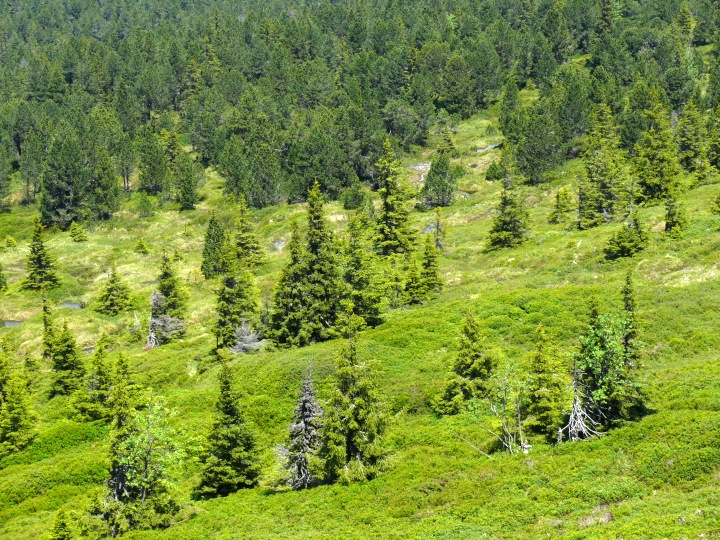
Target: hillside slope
point(654, 478)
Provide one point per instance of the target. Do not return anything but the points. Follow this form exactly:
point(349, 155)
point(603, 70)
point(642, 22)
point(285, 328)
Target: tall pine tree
point(354, 422)
point(248, 249)
point(17, 417)
point(430, 272)
point(393, 235)
point(471, 370)
point(510, 224)
point(656, 163)
point(606, 179)
point(236, 301)
point(40, 266)
point(214, 239)
point(230, 461)
point(92, 400)
point(359, 273)
point(68, 368)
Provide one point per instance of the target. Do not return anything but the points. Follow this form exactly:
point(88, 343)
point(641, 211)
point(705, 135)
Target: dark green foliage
point(692, 141)
point(230, 460)
point(656, 162)
point(115, 297)
point(307, 298)
point(104, 192)
point(355, 422)
point(510, 227)
point(17, 417)
point(474, 364)
point(414, 291)
point(171, 288)
point(430, 271)
point(65, 181)
point(155, 173)
point(67, 365)
point(61, 527)
point(564, 204)
point(214, 239)
point(186, 173)
point(236, 302)
point(92, 400)
point(548, 387)
point(301, 449)
point(3, 280)
point(440, 183)
point(393, 235)
point(248, 249)
point(605, 183)
point(630, 239)
point(510, 113)
point(359, 272)
point(537, 150)
point(495, 172)
point(40, 267)
point(77, 233)
point(675, 214)
point(353, 197)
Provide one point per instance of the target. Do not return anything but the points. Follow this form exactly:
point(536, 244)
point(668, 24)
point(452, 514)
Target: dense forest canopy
point(278, 96)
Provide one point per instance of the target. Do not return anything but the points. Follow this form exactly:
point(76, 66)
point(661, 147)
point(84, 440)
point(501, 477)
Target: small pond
point(11, 324)
point(72, 305)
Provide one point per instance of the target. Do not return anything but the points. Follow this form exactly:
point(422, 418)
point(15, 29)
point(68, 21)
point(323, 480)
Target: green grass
point(655, 478)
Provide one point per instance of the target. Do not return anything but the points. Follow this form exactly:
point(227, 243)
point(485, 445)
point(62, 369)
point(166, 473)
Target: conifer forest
point(359, 269)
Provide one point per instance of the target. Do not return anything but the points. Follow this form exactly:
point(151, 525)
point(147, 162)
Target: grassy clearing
point(654, 478)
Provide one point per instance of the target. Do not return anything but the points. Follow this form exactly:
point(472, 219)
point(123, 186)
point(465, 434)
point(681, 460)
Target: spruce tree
point(630, 239)
point(414, 291)
point(354, 421)
point(49, 331)
point(248, 249)
point(186, 176)
point(656, 162)
point(174, 293)
point(141, 247)
point(692, 141)
point(714, 137)
point(77, 233)
point(3, 280)
point(230, 461)
point(630, 308)
point(115, 297)
point(471, 371)
point(675, 214)
point(304, 439)
point(393, 235)
point(430, 271)
point(308, 296)
point(606, 178)
point(564, 203)
point(359, 273)
point(236, 302)
point(510, 224)
point(214, 238)
point(61, 527)
point(440, 183)
point(68, 367)
point(547, 389)
point(510, 111)
point(17, 417)
point(5, 373)
point(155, 171)
point(287, 315)
point(92, 401)
point(40, 267)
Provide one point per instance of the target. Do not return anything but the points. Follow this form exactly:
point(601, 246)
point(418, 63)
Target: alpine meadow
point(359, 269)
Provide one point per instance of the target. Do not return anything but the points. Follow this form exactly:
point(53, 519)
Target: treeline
point(278, 98)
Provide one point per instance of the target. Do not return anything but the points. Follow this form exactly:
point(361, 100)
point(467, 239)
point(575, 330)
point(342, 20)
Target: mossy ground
point(654, 478)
